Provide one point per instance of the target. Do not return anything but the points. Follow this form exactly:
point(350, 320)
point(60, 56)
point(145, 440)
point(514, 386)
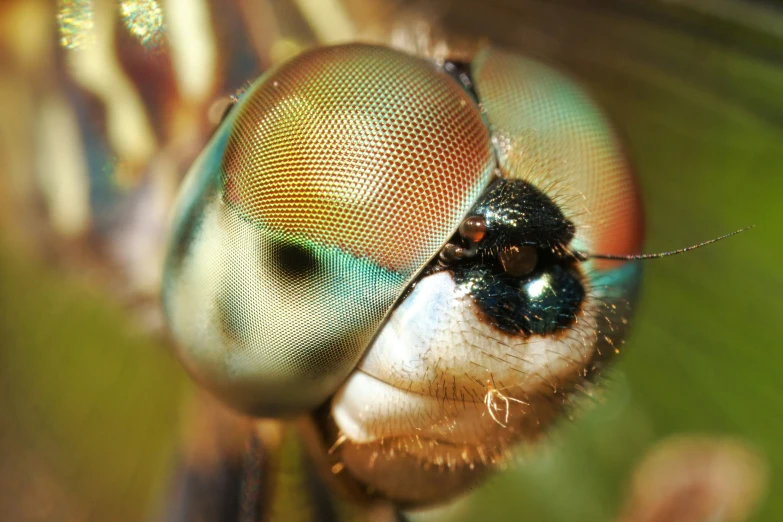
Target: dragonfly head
point(398, 243)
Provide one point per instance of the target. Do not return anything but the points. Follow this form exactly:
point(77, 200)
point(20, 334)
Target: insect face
point(364, 227)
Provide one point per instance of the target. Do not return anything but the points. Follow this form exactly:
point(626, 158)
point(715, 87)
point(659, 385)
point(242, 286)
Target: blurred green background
point(89, 405)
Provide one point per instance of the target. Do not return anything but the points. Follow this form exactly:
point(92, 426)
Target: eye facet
point(325, 191)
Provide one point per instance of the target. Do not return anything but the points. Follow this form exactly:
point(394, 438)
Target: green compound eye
point(336, 179)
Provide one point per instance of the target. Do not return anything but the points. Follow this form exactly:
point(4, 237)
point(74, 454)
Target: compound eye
point(325, 191)
point(547, 132)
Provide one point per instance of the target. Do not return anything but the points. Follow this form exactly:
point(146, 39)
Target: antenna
point(583, 256)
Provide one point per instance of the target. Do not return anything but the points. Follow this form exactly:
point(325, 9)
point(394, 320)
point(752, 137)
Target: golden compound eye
point(328, 187)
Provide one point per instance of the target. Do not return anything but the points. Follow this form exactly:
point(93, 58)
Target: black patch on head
point(553, 298)
point(544, 300)
point(294, 261)
point(517, 213)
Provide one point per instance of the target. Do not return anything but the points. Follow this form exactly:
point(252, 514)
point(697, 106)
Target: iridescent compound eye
point(325, 191)
point(403, 240)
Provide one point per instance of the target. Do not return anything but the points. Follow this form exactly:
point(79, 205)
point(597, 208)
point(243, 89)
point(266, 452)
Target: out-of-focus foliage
point(88, 407)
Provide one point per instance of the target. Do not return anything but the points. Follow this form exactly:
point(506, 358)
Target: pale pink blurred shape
point(696, 479)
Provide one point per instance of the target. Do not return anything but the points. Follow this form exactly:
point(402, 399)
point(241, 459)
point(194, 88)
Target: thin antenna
point(634, 257)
